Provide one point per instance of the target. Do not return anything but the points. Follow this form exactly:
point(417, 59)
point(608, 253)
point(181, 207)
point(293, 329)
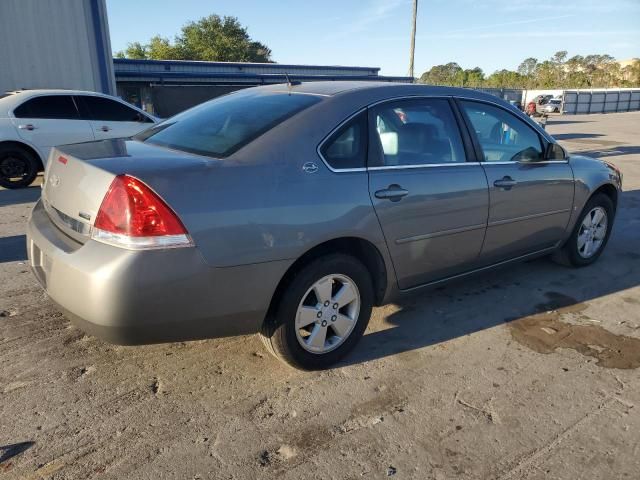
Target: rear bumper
point(136, 297)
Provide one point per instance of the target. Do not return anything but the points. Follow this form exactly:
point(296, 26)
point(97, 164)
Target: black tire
point(569, 255)
point(18, 167)
point(279, 333)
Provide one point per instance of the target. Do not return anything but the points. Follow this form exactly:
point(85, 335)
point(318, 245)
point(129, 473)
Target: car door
point(530, 197)
point(110, 118)
point(431, 199)
point(49, 120)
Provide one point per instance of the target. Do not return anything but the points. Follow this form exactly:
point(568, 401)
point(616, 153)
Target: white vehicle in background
point(34, 121)
point(552, 106)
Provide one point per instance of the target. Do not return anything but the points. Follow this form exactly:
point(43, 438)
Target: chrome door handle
point(393, 193)
point(505, 182)
point(28, 126)
point(105, 128)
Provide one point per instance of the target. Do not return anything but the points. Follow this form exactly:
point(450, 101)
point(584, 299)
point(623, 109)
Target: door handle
point(393, 192)
point(105, 128)
point(28, 126)
point(506, 183)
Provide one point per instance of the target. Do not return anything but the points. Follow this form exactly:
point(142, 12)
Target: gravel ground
point(529, 372)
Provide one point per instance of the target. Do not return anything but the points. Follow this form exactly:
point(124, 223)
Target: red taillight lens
point(133, 215)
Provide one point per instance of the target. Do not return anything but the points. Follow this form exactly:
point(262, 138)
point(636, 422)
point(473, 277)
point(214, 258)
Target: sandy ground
point(529, 372)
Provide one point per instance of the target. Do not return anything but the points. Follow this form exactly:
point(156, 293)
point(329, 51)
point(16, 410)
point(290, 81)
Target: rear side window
point(416, 132)
point(50, 106)
point(222, 126)
point(100, 108)
point(502, 136)
point(347, 147)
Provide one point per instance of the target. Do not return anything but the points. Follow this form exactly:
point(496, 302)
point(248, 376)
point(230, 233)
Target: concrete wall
point(55, 44)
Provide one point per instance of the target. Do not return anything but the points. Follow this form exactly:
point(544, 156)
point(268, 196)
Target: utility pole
point(413, 38)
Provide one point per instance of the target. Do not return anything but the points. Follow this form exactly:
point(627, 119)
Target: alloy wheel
point(327, 314)
point(592, 233)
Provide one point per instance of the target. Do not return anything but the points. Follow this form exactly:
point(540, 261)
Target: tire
point(330, 273)
point(18, 167)
point(572, 253)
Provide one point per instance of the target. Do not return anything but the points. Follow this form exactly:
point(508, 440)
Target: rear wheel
point(18, 167)
point(591, 233)
point(322, 313)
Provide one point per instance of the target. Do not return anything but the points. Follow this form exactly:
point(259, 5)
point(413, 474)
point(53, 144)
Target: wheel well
point(610, 191)
point(26, 147)
point(363, 250)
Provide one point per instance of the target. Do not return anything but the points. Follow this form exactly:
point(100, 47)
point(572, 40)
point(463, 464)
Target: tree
point(211, 38)
point(448, 74)
point(527, 69)
point(591, 71)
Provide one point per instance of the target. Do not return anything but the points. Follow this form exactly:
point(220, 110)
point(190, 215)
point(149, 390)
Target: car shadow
point(14, 449)
point(575, 136)
point(552, 121)
point(13, 249)
point(16, 197)
point(610, 152)
point(497, 298)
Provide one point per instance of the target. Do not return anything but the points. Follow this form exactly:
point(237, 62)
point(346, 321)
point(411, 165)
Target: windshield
point(221, 126)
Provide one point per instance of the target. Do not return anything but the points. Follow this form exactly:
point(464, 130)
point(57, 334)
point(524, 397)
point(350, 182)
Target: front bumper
point(135, 297)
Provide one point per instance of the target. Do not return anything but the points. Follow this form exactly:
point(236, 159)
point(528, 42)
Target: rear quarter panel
point(259, 205)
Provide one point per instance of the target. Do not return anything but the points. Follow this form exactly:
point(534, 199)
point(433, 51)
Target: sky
point(491, 34)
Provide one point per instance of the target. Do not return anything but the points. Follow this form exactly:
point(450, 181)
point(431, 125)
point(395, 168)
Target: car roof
point(17, 97)
point(335, 88)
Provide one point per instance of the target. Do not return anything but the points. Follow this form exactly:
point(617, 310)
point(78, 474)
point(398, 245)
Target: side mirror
point(555, 152)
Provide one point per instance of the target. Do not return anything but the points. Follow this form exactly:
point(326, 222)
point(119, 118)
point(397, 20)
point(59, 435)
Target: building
point(165, 87)
point(55, 44)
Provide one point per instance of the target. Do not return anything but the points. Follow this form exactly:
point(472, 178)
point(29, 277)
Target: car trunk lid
point(78, 177)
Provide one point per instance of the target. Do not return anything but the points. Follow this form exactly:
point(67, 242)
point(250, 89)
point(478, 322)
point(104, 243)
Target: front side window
point(347, 148)
point(222, 126)
point(59, 107)
point(502, 136)
point(105, 109)
point(416, 132)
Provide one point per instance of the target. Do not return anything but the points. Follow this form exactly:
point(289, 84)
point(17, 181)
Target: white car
point(34, 121)
point(553, 105)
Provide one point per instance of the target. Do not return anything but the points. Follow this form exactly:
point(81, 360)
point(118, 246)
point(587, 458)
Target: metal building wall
point(55, 44)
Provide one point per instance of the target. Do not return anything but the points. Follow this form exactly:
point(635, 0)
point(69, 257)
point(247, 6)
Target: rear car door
point(49, 120)
point(431, 200)
point(530, 196)
point(110, 118)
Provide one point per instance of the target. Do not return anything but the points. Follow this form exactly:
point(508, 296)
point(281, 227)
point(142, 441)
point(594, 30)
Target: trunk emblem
point(54, 180)
point(62, 160)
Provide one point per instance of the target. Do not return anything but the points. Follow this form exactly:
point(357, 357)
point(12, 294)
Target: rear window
point(222, 126)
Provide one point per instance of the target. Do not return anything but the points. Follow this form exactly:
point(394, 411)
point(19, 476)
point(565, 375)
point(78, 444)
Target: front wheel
point(591, 233)
point(322, 313)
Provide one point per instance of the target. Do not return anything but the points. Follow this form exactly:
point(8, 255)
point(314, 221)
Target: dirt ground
point(529, 372)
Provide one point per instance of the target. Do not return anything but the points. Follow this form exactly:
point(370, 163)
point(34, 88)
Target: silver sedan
point(292, 210)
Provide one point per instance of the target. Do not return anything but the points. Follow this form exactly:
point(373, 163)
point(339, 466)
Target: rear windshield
point(221, 126)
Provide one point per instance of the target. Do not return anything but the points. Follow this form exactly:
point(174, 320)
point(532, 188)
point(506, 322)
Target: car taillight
point(133, 216)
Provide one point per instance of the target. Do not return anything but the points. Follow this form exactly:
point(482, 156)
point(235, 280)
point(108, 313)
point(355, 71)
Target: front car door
point(110, 118)
point(49, 120)
point(432, 203)
point(530, 197)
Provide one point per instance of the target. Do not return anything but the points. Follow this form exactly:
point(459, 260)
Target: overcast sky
point(491, 34)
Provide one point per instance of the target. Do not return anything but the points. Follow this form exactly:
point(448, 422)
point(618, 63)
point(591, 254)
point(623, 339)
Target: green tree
point(211, 38)
point(527, 69)
point(448, 74)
